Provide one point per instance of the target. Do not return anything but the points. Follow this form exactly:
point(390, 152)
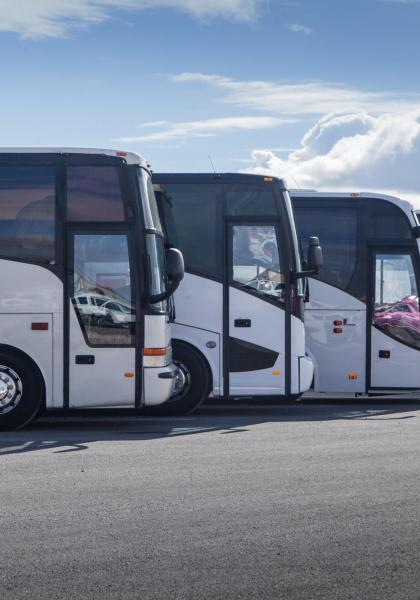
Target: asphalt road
point(280, 502)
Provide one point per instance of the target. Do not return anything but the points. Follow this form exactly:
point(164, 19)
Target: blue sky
point(304, 89)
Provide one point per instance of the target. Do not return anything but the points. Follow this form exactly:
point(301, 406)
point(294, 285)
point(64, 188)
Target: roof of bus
point(215, 178)
point(404, 205)
point(131, 158)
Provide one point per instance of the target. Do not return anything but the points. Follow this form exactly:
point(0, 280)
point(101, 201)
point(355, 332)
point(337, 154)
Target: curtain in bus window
point(94, 194)
point(27, 213)
point(337, 231)
point(102, 294)
point(396, 310)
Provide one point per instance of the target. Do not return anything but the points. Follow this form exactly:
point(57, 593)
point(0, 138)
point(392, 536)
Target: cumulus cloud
point(205, 128)
point(357, 151)
point(54, 18)
point(302, 98)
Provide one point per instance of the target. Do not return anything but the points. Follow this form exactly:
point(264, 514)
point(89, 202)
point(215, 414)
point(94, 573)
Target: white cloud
point(354, 151)
point(206, 128)
point(303, 98)
point(296, 28)
point(54, 18)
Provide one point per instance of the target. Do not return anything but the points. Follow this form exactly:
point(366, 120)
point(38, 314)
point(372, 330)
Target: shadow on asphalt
point(74, 431)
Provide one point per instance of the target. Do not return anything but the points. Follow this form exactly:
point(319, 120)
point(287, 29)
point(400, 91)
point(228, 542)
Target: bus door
point(255, 316)
point(101, 319)
point(395, 320)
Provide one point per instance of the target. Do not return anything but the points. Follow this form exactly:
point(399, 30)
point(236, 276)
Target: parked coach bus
point(362, 319)
point(239, 311)
point(83, 312)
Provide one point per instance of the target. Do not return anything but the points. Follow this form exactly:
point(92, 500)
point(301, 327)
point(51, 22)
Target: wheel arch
point(24, 356)
point(203, 357)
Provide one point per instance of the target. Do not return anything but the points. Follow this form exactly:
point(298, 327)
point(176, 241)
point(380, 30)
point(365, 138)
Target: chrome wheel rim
point(10, 389)
point(182, 381)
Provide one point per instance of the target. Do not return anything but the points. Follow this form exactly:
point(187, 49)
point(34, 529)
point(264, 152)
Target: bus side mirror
point(315, 259)
point(174, 267)
point(174, 273)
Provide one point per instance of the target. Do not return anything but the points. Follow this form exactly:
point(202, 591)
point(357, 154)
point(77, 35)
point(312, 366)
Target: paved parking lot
point(283, 502)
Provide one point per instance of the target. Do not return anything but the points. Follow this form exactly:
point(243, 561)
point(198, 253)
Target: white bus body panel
point(339, 358)
point(157, 334)
point(157, 331)
point(405, 361)
point(302, 368)
point(198, 303)
point(34, 294)
point(268, 331)
point(102, 383)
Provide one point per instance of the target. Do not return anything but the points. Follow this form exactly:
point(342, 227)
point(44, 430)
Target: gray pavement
point(283, 502)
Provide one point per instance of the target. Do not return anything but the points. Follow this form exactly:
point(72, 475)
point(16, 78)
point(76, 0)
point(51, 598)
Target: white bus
point(83, 311)
point(362, 319)
point(239, 311)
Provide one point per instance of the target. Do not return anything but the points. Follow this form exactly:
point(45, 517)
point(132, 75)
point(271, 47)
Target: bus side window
point(94, 194)
point(27, 213)
point(339, 243)
point(198, 224)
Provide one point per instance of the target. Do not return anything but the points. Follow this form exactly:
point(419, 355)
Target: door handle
point(242, 322)
point(85, 359)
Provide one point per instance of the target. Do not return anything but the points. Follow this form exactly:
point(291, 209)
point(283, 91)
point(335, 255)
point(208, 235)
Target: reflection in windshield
point(396, 310)
point(102, 290)
point(256, 262)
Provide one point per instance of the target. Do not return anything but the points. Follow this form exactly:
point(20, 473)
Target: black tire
point(197, 387)
point(27, 389)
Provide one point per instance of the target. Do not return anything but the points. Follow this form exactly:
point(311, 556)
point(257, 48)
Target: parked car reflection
point(104, 311)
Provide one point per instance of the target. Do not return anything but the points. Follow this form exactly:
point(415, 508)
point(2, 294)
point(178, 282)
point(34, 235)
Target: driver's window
point(256, 261)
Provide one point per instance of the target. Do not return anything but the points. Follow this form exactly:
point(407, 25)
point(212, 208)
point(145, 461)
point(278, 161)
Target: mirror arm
point(172, 287)
point(294, 276)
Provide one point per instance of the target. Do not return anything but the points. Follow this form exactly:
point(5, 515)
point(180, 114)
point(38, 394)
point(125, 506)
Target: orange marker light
point(155, 352)
point(268, 179)
point(352, 376)
point(129, 374)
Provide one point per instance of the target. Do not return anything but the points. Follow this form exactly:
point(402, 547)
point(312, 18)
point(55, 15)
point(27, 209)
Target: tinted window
point(336, 228)
point(94, 194)
point(194, 217)
point(250, 200)
point(27, 213)
point(386, 221)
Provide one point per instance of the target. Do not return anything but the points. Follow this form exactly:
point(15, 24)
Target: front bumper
point(158, 384)
point(306, 373)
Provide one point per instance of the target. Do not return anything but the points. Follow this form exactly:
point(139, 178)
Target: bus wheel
point(21, 391)
point(192, 386)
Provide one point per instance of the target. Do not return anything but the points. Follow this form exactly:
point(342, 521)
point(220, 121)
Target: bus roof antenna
point(212, 165)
